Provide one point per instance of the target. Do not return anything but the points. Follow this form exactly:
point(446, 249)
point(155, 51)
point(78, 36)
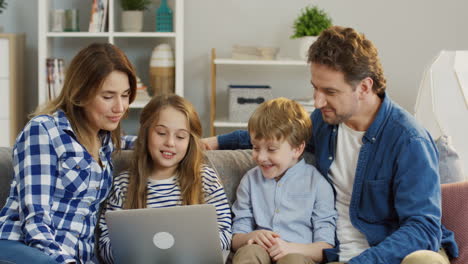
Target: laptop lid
point(181, 234)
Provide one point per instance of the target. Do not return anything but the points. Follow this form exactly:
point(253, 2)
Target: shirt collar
point(377, 125)
point(298, 167)
point(65, 125)
point(62, 121)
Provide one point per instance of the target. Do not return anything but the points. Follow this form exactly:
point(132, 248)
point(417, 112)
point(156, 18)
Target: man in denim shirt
point(382, 164)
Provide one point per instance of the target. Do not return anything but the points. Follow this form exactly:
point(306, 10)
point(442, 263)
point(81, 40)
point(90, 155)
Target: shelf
point(260, 62)
point(77, 35)
point(138, 104)
point(215, 123)
point(111, 34)
point(225, 123)
point(50, 43)
point(145, 34)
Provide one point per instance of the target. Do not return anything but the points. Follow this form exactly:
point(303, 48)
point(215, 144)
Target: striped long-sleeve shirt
point(57, 189)
point(166, 193)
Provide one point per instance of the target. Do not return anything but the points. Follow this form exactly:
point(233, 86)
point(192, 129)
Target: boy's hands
point(280, 248)
point(263, 238)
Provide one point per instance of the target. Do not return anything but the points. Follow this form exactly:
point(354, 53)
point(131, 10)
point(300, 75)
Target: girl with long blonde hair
point(168, 168)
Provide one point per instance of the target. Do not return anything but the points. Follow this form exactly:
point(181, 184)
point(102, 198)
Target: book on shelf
point(55, 76)
point(98, 18)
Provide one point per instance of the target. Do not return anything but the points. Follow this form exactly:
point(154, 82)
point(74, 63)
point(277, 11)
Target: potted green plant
point(310, 23)
point(3, 5)
point(132, 14)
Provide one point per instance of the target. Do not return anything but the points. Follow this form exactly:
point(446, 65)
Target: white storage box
point(244, 99)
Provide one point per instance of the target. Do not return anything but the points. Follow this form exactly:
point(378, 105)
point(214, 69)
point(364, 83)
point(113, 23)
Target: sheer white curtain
point(442, 107)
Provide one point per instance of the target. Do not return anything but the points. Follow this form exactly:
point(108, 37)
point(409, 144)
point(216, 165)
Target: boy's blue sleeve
point(324, 214)
point(243, 221)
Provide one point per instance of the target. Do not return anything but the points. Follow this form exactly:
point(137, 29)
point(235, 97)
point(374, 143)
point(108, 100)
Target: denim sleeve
point(128, 142)
point(35, 165)
point(324, 214)
point(238, 139)
point(244, 221)
point(417, 201)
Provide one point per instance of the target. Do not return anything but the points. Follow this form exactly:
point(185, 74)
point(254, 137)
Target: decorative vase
point(162, 70)
point(164, 18)
point(304, 45)
point(132, 21)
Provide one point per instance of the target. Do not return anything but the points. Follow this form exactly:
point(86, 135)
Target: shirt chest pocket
point(377, 201)
point(74, 178)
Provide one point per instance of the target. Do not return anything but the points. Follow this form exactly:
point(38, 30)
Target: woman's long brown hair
point(84, 77)
point(189, 169)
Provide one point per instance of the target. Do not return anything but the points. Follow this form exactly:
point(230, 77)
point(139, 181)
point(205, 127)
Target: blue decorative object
point(164, 18)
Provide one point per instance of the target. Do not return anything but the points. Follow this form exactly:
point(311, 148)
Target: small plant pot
point(132, 21)
point(304, 45)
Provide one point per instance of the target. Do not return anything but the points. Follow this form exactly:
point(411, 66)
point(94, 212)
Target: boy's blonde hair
point(279, 119)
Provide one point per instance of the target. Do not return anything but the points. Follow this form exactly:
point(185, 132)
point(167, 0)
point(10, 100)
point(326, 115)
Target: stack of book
point(98, 20)
point(254, 53)
point(55, 76)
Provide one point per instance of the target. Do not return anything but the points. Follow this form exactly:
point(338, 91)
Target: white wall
point(20, 16)
point(408, 35)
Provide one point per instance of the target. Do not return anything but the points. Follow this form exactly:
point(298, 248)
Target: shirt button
point(373, 139)
point(77, 167)
point(334, 130)
point(277, 211)
point(330, 158)
point(279, 184)
point(97, 188)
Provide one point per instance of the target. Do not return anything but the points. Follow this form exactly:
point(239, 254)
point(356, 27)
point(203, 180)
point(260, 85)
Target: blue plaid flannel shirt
point(57, 189)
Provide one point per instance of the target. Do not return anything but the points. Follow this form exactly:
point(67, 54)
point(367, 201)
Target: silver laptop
point(181, 234)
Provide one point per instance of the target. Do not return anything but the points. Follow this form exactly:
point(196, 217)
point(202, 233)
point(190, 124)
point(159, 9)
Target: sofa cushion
point(455, 216)
point(230, 166)
point(450, 164)
point(6, 174)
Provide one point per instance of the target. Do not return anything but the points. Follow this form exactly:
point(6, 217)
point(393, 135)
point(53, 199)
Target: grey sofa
point(231, 165)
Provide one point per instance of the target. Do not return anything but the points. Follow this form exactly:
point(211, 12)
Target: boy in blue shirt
point(285, 211)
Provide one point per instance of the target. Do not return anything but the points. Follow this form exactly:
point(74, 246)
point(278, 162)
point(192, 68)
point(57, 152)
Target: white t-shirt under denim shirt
point(342, 173)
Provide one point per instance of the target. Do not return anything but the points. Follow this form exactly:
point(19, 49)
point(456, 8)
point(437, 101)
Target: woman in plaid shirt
point(62, 162)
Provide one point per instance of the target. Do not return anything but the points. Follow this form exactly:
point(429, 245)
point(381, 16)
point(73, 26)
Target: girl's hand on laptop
point(280, 249)
point(263, 238)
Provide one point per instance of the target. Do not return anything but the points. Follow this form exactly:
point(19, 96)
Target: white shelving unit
point(129, 42)
point(218, 123)
point(12, 114)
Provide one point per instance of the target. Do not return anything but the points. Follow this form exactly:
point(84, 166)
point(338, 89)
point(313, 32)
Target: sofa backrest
point(6, 173)
point(230, 165)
